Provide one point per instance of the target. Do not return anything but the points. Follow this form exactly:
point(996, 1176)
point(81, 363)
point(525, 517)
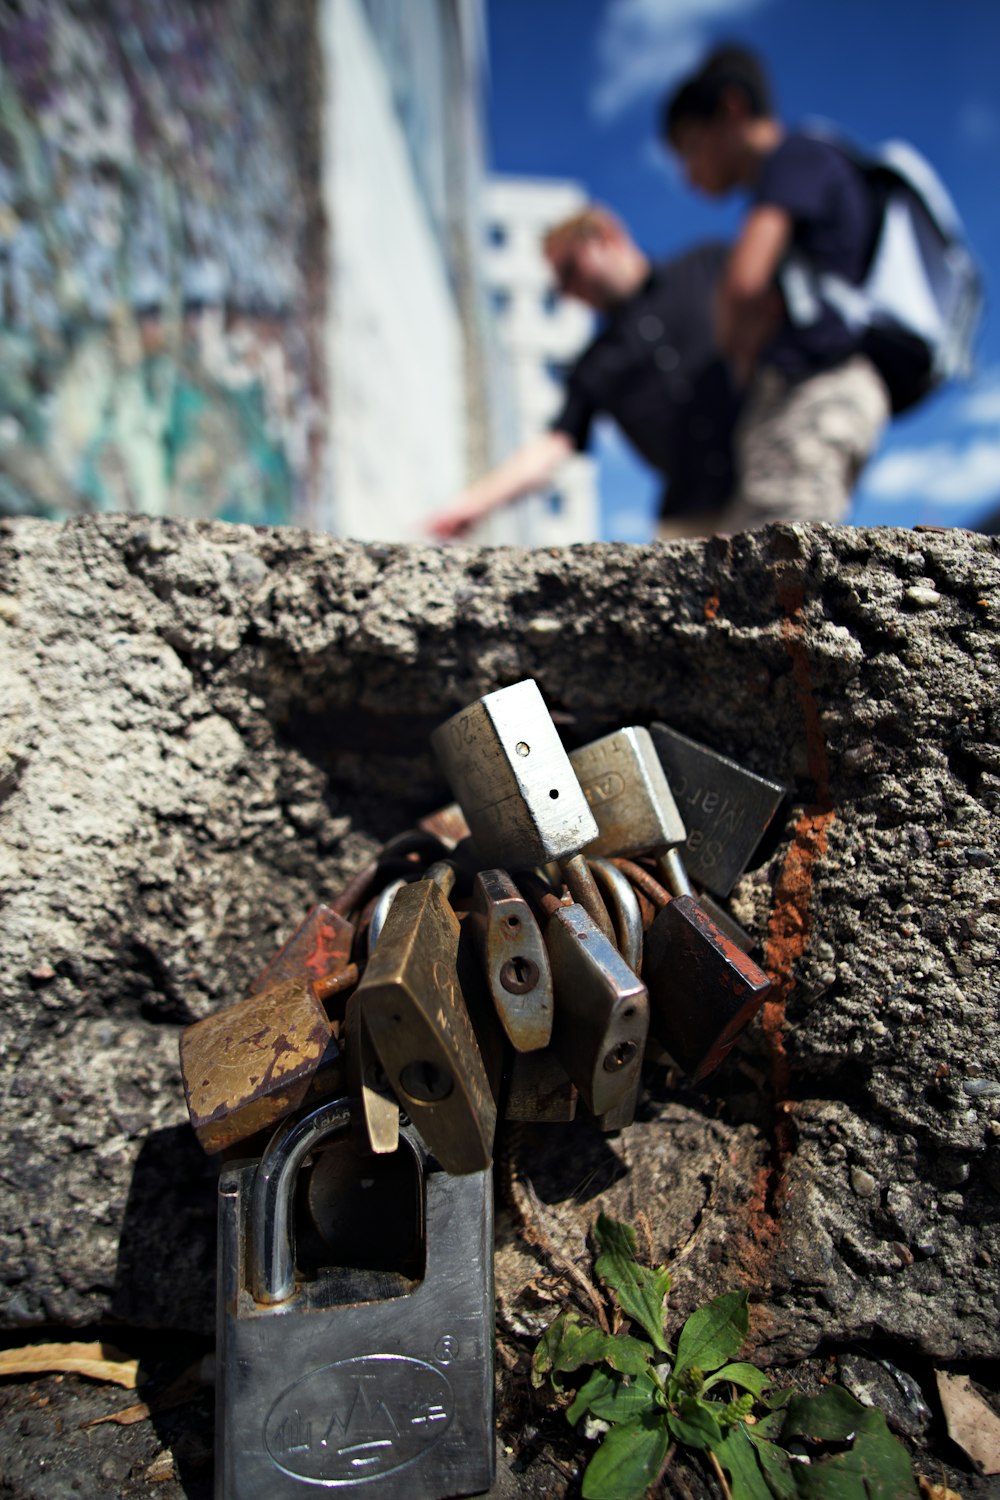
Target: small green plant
point(761, 1444)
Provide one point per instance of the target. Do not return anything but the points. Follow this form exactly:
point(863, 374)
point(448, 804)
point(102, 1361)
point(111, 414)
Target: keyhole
point(619, 1057)
point(519, 975)
point(425, 1082)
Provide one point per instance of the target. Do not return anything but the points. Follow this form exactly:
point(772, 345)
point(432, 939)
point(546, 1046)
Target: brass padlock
point(412, 1002)
point(249, 1065)
point(347, 1376)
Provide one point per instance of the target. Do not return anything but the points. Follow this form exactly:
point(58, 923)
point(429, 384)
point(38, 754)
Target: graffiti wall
point(161, 283)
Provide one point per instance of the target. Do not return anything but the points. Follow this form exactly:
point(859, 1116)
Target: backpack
point(917, 311)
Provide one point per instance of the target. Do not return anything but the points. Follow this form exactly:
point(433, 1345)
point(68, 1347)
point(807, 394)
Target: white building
point(541, 333)
point(409, 397)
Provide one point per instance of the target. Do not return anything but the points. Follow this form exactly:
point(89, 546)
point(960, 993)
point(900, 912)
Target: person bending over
point(653, 367)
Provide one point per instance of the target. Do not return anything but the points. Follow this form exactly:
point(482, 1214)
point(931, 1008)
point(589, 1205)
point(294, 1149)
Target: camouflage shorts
point(800, 445)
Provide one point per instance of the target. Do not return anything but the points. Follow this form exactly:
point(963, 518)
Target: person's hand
point(454, 522)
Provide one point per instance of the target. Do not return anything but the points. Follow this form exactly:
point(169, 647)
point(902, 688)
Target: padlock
point(412, 1002)
point(367, 1382)
point(602, 1010)
point(703, 989)
point(539, 1090)
point(512, 778)
point(319, 947)
point(726, 808)
point(515, 959)
point(628, 793)
point(249, 1065)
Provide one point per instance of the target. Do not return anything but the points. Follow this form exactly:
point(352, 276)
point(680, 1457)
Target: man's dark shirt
point(834, 217)
point(655, 370)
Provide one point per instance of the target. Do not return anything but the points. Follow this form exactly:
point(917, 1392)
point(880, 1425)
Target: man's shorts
point(801, 444)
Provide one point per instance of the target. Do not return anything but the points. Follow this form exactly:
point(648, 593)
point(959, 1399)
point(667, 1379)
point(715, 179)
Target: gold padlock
point(411, 1000)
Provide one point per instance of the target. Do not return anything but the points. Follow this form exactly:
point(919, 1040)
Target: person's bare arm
point(748, 307)
point(528, 468)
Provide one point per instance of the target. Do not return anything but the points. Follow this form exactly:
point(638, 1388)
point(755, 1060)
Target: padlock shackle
point(272, 1245)
point(381, 910)
point(623, 904)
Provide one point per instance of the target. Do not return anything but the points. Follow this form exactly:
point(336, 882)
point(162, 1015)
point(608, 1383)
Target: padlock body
point(412, 1002)
point(389, 1398)
point(628, 793)
point(703, 989)
point(726, 808)
point(253, 1063)
point(601, 1013)
point(515, 959)
point(508, 769)
point(318, 948)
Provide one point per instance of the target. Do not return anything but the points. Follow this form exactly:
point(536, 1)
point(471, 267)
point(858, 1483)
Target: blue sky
point(574, 91)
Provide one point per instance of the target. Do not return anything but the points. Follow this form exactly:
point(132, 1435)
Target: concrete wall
point(158, 245)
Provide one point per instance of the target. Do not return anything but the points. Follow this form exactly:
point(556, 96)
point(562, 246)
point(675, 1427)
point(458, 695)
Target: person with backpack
point(652, 366)
point(816, 402)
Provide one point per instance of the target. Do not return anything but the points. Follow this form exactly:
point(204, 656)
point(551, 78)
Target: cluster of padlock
point(519, 954)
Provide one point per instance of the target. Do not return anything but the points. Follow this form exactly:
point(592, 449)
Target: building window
point(554, 503)
point(550, 300)
point(499, 300)
point(497, 235)
point(555, 369)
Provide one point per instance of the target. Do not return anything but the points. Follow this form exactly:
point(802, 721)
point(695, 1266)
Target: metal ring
point(624, 905)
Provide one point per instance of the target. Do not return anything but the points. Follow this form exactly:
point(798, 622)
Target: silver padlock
point(726, 808)
point(365, 1382)
point(512, 778)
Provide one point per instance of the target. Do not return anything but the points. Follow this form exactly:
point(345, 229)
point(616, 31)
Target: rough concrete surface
point(207, 727)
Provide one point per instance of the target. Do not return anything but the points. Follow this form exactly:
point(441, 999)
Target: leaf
point(973, 1425)
point(640, 1290)
point(747, 1377)
point(874, 1467)
point(713, 1333)
point(615, 1398)
point(568, 1343)
point(694, 1424)
point(96, 1361)
point(777, 1467)
point(739, 1459)
point(628, 1461)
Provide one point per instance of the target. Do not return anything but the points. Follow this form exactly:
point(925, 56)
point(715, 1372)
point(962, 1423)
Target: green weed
point(762, 1444)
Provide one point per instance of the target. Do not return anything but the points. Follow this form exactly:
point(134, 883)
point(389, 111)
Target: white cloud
point(943, 473)
point(644, 46)
point(983, 402)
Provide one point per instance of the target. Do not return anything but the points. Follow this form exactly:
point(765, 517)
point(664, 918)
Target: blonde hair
point(590, 222)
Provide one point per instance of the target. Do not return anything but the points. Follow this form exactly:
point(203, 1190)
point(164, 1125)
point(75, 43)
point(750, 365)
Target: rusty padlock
point(703, 989)
point(249, 1065)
